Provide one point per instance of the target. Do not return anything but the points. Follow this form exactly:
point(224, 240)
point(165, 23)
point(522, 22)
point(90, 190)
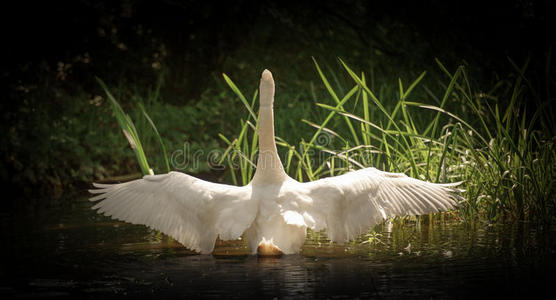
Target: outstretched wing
point(350, 204)
point(192, 211)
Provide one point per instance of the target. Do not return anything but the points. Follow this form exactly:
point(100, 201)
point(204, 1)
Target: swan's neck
point(269, 166)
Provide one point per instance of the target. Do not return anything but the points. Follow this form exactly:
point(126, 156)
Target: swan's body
point(273, 211)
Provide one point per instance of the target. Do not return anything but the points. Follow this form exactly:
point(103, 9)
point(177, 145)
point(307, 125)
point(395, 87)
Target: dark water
point(72, 252)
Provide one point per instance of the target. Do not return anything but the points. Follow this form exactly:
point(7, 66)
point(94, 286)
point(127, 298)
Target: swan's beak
point(267, 76)
point(266, 89)
point(267, 248)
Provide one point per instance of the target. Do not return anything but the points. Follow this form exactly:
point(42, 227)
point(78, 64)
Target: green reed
point(130, 132)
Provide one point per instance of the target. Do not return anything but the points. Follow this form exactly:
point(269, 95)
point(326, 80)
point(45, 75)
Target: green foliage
point(509, 160)
point(241, 151)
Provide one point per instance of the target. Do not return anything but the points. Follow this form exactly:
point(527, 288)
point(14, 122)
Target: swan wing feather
point(351, 204)
point(192, 211)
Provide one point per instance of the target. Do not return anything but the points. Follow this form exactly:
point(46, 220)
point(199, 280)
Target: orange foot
point(267, 248)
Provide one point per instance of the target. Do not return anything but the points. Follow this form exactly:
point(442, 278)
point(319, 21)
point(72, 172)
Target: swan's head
point(267, 89)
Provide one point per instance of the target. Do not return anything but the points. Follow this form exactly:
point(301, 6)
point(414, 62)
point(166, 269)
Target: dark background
point(199, 36)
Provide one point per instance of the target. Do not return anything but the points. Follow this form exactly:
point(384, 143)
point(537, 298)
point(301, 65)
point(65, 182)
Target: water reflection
point(71, 251)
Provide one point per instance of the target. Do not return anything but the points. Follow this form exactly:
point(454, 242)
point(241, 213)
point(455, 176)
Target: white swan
point(273, 211)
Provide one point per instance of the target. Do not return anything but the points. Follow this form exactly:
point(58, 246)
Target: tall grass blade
point(128, 129)
point(236, 90)
point(159, 138)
